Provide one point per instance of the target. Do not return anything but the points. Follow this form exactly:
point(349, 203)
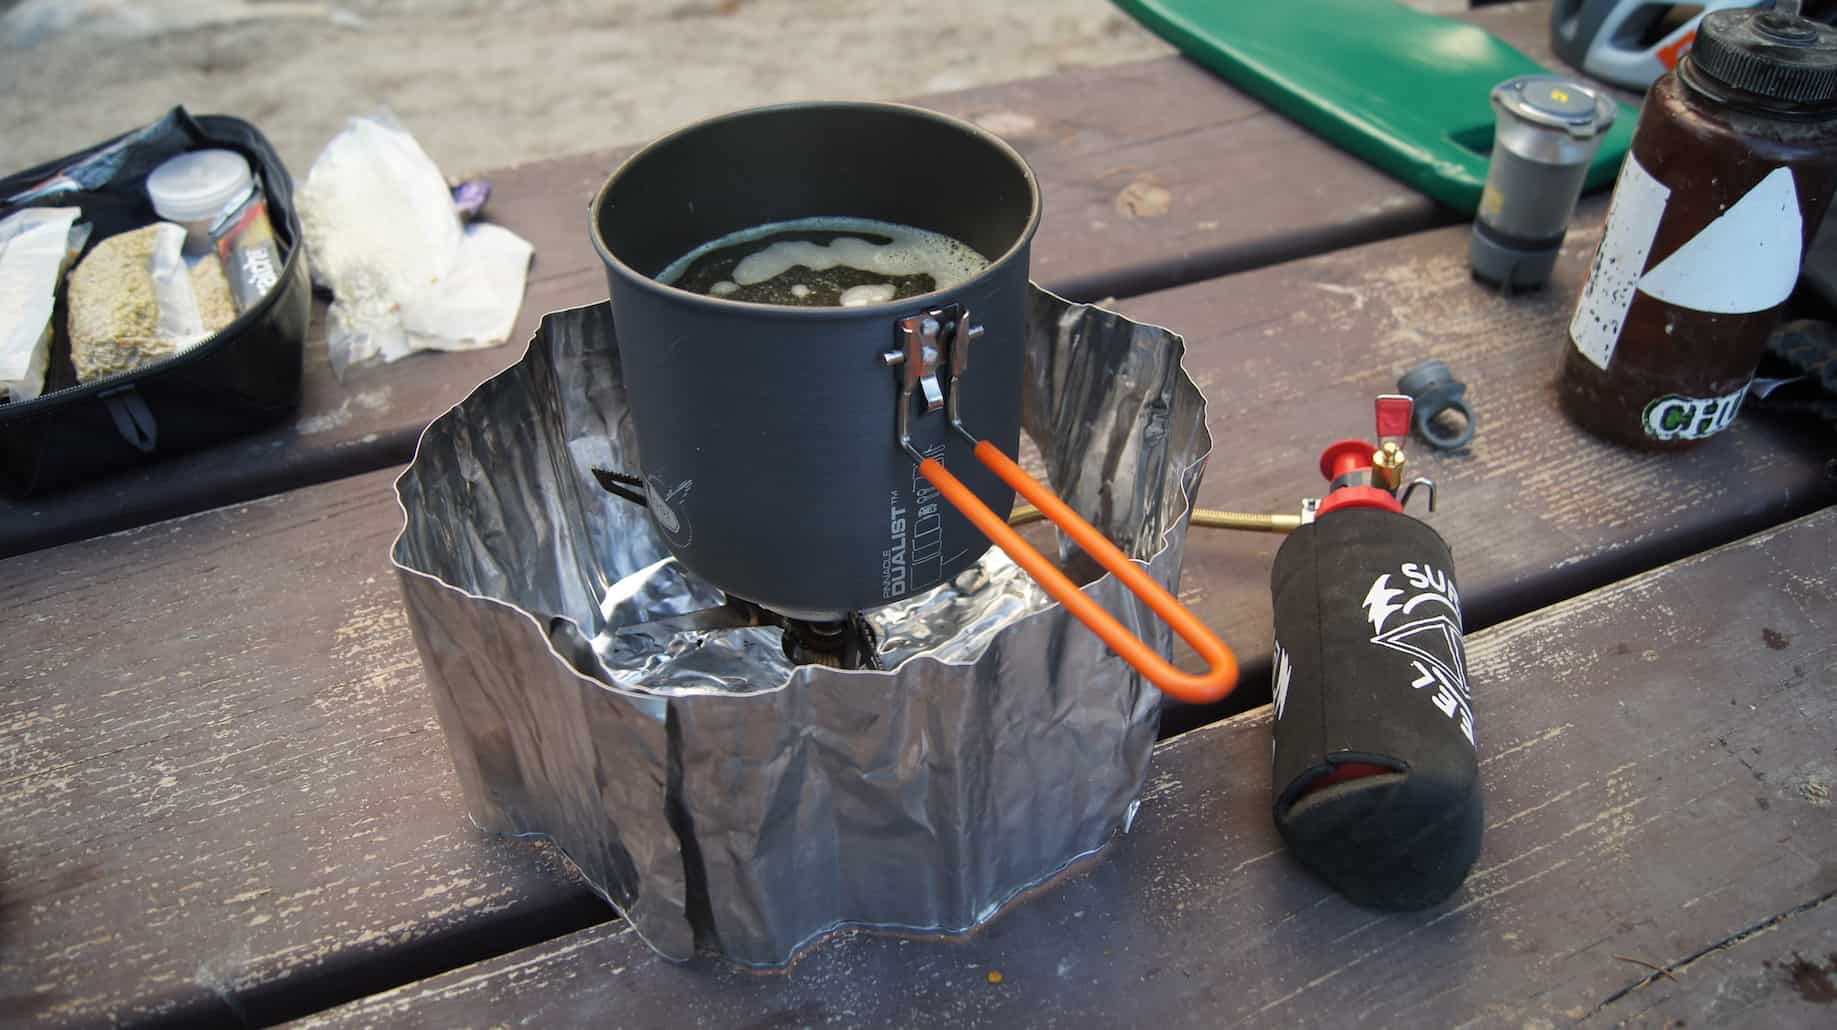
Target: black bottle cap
point(1768, 53)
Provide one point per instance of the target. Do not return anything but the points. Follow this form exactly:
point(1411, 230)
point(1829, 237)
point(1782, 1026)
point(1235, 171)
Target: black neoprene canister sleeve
point(1376, 782)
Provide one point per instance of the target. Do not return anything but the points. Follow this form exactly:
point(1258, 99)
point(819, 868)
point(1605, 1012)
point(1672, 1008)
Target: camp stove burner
point(846, 643)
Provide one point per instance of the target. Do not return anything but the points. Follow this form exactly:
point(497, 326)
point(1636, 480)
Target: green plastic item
point(1404, 90)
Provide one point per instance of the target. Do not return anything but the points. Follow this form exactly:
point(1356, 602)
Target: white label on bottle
point(1632, 222)
point(1746, 260)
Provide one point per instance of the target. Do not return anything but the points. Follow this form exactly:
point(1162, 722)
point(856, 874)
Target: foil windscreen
point(724, 798)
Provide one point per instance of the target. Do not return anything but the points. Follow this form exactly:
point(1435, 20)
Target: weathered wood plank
point(1536, 510)
point(283, 660)
point(329, 553)
point(220, 774)
point(1155, 173)
point(1780, 972)
point(1653, 756)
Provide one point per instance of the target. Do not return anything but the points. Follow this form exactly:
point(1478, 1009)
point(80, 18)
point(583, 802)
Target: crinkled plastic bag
point(404, 274)
point(36, 244)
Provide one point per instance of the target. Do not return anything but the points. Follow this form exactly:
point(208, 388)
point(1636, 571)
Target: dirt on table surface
point(486, 83)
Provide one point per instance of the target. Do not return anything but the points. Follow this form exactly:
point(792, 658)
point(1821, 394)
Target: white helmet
point(1629, 42)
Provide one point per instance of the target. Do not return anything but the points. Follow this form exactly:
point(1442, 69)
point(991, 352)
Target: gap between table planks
point(223, 795)
point(1657, 761)
point(1154, 173)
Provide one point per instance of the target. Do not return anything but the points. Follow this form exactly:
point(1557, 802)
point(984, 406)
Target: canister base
point(1510, 266)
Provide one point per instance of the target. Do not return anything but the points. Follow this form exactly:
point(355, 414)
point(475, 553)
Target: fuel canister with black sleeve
point(1376, 779)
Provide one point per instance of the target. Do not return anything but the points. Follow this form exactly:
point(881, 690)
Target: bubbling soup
point(824, 262)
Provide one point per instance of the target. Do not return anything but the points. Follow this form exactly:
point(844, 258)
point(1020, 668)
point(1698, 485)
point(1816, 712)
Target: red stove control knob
point(1360, 475)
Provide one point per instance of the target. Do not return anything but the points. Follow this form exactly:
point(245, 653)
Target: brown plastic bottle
point(1732, 166)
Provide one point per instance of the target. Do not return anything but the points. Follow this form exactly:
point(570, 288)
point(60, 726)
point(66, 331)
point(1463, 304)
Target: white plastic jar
point(195, 188)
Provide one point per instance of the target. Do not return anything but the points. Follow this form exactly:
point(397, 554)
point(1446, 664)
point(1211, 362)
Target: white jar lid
point(198, 184)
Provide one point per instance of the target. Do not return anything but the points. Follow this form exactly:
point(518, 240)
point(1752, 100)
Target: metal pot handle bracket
point(919, 356)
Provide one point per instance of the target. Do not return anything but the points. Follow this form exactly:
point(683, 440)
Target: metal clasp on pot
point(919, 355)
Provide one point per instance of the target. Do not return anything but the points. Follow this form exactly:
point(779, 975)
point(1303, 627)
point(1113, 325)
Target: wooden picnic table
point(224, 798)
point(1154, 173)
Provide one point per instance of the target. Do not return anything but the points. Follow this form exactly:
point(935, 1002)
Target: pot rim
point(1014, 251)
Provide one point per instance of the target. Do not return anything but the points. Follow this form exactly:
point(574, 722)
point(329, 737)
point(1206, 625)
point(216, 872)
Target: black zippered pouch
point(244, 378)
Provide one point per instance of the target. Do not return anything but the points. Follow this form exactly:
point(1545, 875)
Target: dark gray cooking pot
point(767, 434)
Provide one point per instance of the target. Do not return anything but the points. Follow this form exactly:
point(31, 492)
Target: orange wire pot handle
point(1214, 685)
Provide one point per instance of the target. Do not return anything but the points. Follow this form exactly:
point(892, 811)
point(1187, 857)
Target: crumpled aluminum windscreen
point(724, 799)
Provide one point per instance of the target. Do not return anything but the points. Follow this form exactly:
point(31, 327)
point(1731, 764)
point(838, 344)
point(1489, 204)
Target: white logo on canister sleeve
point(1280, 673)
point(1431, 638)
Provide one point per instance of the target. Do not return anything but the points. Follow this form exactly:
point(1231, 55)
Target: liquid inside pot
point(824, 262)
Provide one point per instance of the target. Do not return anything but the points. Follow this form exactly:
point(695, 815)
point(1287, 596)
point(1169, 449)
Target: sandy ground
point(484, 84)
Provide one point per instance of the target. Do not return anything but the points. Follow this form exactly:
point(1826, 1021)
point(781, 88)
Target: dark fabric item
point(1805, 352)
point(244, 378)
point(1370, 683)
